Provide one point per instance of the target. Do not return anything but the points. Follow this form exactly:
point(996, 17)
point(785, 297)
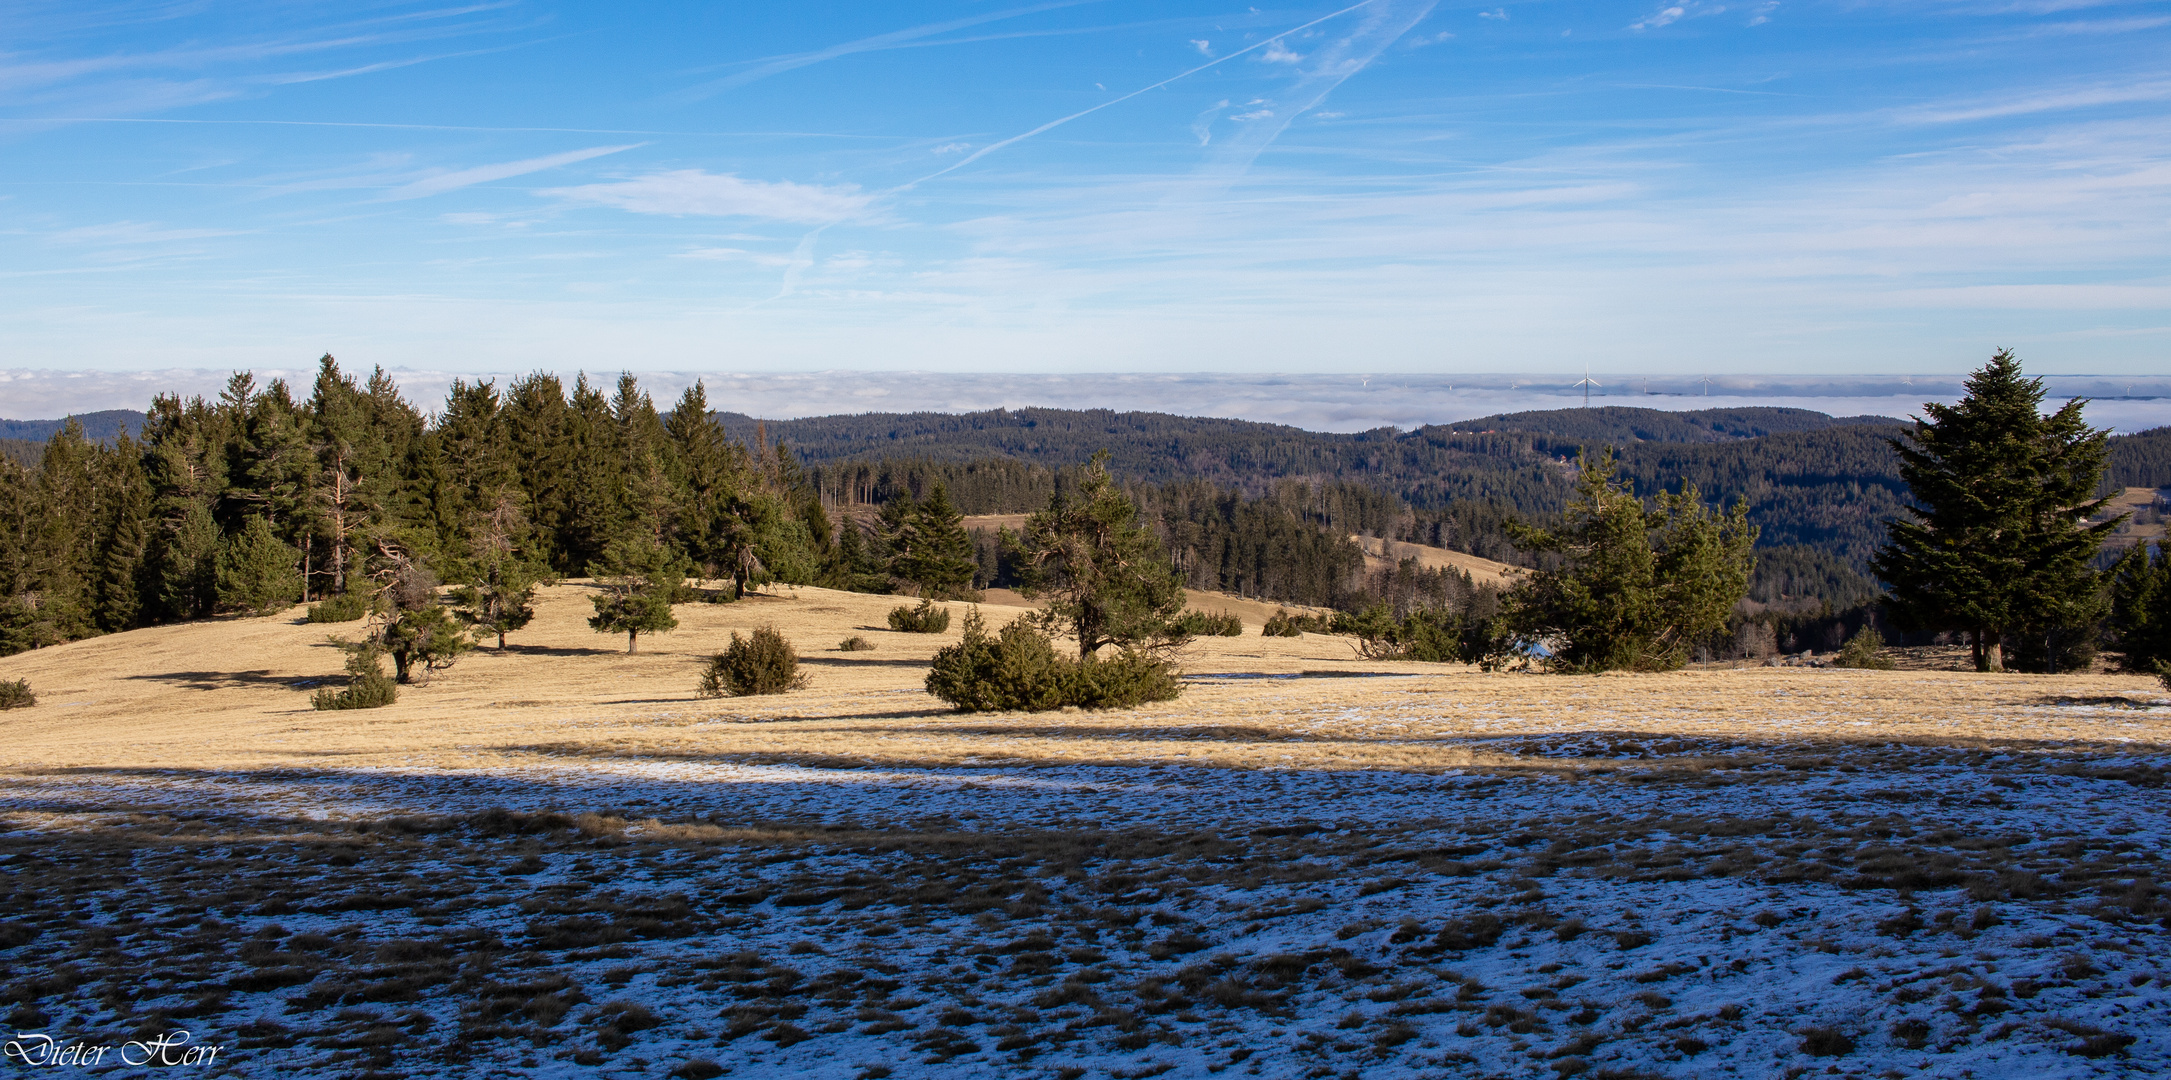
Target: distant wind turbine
point(1707, 385)
point(1586, 383)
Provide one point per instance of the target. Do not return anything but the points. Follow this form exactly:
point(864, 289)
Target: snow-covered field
point(1862, 909)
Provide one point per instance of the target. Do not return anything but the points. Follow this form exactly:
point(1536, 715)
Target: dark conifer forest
point(273, 492)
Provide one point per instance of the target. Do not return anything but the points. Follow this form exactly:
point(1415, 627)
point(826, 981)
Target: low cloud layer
point(1314, 402)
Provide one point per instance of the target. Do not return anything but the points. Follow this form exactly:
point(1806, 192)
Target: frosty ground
point(1309, 866)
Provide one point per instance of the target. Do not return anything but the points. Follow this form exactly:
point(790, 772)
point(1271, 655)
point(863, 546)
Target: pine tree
point(1634, 589)
point(498, 578)
point(1997, 545)
point(640, 578)
point(258, 572)
point(1103, 574)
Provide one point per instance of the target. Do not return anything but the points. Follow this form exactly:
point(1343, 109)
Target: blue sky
point(1639, 187)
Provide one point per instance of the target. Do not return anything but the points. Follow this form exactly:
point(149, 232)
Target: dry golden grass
point(234, 694)
point(1382, 554)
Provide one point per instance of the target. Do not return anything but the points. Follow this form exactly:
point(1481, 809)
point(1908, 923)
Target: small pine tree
point(1102, 573)
point(423, 641)
point(924, 619)
point(1862, 651)
point(1019, 669)
point(367, 687)
point(258, 572)
point(640, 578)
point(763, 664)
point(15, 694)
point(499, 596)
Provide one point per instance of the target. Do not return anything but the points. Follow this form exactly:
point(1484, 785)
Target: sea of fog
point(1312, 401)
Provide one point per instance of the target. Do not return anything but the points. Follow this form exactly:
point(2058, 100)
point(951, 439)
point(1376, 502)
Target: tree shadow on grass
point(227, 680)
point(846, 662)
point(552, 650)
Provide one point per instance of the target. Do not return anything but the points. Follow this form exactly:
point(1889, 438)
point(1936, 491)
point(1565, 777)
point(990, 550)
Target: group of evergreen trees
point(258, 499)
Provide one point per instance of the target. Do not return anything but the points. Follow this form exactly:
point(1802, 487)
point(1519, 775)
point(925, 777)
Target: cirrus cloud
point(694, 192)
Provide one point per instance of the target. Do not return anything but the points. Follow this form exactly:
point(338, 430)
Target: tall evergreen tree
point(1998, 546)
point(932, 551)
point(124, 538)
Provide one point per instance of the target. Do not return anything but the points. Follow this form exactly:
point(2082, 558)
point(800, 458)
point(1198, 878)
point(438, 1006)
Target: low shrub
point(346, 607)
point(1019, 669)
point(1861, 651)
point(925, 619)
point(855, 643)
point(1432, 635)
point(762, 664)
point(368, 687)
point(1286, 624)
point(1201, 624)
point(16, 695)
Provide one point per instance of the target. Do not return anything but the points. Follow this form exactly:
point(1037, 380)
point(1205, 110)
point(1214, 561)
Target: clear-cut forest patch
point(556, 860)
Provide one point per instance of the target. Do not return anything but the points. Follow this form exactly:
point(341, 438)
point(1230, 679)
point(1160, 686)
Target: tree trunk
point(633, 641)
point(501, 641)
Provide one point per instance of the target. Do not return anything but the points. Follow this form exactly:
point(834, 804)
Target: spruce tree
point(1103, 574)
point(1998, 546)
point(934, 553)
point(124, 536)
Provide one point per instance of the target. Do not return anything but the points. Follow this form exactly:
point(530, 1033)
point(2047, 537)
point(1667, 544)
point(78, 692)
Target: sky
point(1645, 188)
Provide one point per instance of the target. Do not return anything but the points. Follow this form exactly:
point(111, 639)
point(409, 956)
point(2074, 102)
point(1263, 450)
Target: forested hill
point(97, 427)
point(1619, 426)
point(1512, 459)
point(1809, 478)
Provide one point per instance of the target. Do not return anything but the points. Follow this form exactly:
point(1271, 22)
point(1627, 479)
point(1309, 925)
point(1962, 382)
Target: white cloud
point(1663, 17)
point(1255, 114)
point(2079, 98)
point(1496, 13)
point(1205, 48)
point(443, 182)
point(693, 191)
point(1277, 53)
point(953, 148)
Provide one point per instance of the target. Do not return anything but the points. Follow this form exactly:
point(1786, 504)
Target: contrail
point(803, 256)
point(893, 39)
point(1014, 139)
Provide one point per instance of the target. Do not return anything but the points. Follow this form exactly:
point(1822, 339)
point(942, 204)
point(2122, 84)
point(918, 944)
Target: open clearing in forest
point(557, 861)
